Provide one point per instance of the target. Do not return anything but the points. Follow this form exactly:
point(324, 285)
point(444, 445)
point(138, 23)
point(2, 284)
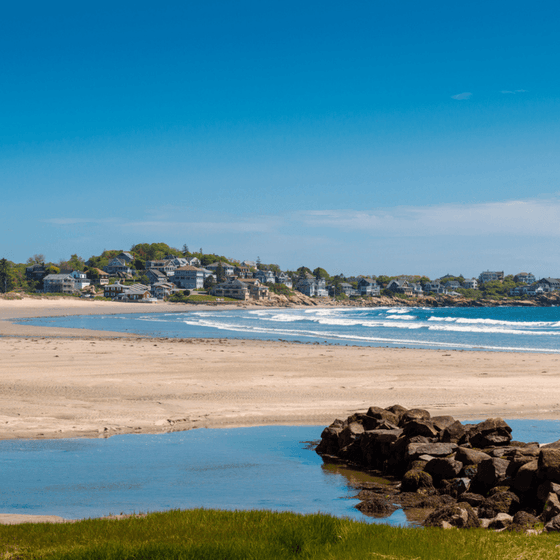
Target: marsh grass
point(260, 535)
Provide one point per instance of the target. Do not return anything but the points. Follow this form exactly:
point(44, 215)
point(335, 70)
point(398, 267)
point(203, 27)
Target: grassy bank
point(260, 535)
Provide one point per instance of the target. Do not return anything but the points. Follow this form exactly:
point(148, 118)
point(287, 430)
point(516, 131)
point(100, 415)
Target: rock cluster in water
point(464, 475)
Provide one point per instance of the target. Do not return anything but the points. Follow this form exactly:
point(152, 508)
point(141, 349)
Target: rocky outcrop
point(483, 477)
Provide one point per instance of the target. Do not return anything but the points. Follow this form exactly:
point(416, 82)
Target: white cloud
point(462, 96)
point(517, 217)
point(513, 91)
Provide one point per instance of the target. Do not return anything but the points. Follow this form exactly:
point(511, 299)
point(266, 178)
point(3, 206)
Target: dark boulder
point(423, 428)
point(442, 422)
point(490, 473)
point(551, 507)
point(377, 506)
point(349, 434)
point(470, 456)
point(473, 499)
point(546, 488)
point(553, 525)
point(491, 432)
point(453, 433)
point(500, 521)
point(549, 464)
point(454, 487)
point(454, 515)
point(329, 439)
point(415, 450)
point(501, 502)
point(414, 414)
point(381, 414)
point(526, 476)
point(444, 467)
point(415, 479)
point(523, 521)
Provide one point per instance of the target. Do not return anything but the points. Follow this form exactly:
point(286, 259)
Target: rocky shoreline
point(297, 299)
point(447, 474)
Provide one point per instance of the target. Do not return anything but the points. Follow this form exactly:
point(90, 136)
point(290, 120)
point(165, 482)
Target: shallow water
point(496, 329)
point(245, 468)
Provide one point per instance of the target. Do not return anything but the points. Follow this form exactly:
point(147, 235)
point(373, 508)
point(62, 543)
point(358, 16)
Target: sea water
point(272, 468)
point(497, 328)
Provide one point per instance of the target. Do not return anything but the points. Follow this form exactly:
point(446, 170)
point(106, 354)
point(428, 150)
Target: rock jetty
point(451, 474)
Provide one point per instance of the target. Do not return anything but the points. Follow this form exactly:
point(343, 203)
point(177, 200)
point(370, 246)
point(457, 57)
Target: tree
point(220, 274)
point(259, 265)
point(185, 250)
point(36, 259)
point(321, 273)
point(209, 282)
point(5, 276)
point(302, 271)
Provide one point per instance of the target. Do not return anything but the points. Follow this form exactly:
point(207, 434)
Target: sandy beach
point(72, 382)
point(57, 382)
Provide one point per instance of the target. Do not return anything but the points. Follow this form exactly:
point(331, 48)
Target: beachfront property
point(165, 265)
point(97, 276)
point(189, 277)
point(489, 276)
point(256, 289)
point(311, 286)
point(113, 290)
point(59, 284)
point(434, 287)
point(136, 292)
point(236, 289)
point(368, 287)
point(80, 279)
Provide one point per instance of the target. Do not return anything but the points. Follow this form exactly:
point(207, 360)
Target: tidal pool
point(269, 468)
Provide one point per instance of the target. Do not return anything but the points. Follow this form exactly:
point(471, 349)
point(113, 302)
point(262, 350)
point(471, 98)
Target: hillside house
point(311, 286)
point(525, 277)
point(470, 284)
point(490, 276)
point(189, 277)
point(368, 287)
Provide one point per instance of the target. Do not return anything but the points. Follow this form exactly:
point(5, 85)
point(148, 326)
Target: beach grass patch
point(260, 535)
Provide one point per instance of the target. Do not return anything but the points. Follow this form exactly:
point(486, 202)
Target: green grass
point(260, 535)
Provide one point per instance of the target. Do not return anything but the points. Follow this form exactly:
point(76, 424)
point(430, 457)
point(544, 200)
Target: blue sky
point(373, 137)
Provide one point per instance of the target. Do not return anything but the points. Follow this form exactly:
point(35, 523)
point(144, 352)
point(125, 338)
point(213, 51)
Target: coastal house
point(434, 288)
point(164, 265)
point(161, 290)
point(265, 276)
point(549, 284)
point(283, 278)
point(189, 277)
point(97, 276)
point(125, 257)
point(368, 287)
point(470, 284)
point(116, 265)
point(400, 286)
point(256, 289)
point(236, 289)
point(243, 271)
point(311, 286)
point(489, 276)
point(525, 277)
point(80, 279)
point(113, 290)
point(228, 269)
point(154, 275)
point(36, 272)
point(452, 285)
point(59, 284)
point(136, 292)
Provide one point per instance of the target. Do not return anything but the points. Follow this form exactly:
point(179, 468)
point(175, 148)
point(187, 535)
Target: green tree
point(220, 274)
point(185, 250)
point(5, 276)
point(321, 273)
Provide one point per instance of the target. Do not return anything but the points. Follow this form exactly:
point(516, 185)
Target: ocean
point(508, 329)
